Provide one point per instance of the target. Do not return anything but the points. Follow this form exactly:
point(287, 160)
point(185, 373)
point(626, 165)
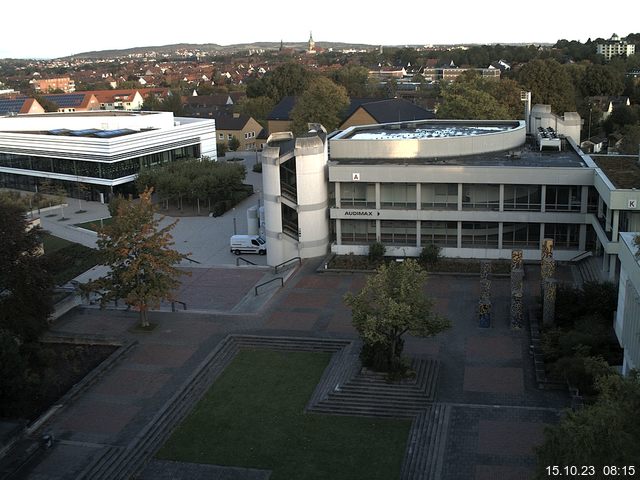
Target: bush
point(221, 149)
point(114, 204)
point(377, 251)
point(581, 371)
point(257, 167)
point(234, 144)
point(429, 255)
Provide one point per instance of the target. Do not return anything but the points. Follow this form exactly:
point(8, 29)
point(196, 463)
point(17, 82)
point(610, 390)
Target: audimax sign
point(361, 213)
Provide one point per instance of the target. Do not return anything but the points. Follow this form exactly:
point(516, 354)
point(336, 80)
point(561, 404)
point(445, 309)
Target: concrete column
point(600, 206)
point(500, 227)
point(607, 222)
point(459, 199)
point(418, 239)
point(612, 267)
point(378, 232)
point(541, 235)
point(459, 234)
point(501, 202)
point(584, 199)
point(582, 238)
point(337, 194)
point(378, 198)
point(615, 224)
point(543, 198)
point(418, 196)
point(338, 231)
point(605, 262)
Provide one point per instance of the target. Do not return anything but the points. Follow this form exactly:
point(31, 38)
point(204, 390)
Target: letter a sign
point(355, 177)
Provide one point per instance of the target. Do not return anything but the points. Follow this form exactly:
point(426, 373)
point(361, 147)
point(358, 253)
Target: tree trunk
point(144, 321)
point(198, 202)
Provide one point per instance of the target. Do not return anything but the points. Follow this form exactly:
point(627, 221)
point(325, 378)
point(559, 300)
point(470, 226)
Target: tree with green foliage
point(476, 98)
point(354, 78)
point(549, 83)
point(631, 140)
point(140, 257)
point(257, 107)
point(25, 284)
point(288, 79)
point(322, 102)
point(234, 144)
point(603, 434)
point(602, 80)
point(391, 304)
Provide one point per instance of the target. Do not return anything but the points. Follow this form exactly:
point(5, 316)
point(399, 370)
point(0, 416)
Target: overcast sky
point(39, 29)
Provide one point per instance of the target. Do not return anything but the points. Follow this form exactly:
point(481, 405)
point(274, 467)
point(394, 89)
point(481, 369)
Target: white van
point(248, 244)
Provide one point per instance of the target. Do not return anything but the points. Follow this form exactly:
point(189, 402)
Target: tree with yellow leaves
point(143, 264)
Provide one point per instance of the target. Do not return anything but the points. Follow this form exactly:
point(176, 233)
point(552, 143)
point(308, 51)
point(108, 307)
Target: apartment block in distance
point(615, 47)
point(44, 85)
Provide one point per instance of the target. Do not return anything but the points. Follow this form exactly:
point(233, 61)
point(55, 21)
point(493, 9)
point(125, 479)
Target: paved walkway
point(497, 414)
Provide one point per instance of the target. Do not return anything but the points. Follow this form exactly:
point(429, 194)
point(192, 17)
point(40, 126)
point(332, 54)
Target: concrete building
point(615, 47)
point(627, 319)
point(66, 84)
point(104, 151)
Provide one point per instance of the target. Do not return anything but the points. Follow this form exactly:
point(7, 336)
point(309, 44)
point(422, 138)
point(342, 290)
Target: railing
point(191, 260)
point(581, 256)
point(270, 281)
point(249, 262)
point(173, 305)
point(286, 262)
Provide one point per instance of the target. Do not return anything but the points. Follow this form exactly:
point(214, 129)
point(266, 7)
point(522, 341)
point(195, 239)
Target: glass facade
point(106, 170)
point(565, 236)
point(288, 183)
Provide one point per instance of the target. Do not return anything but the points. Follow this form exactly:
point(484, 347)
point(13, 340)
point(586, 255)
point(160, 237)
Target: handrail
point(191, 260)
point(244, 260)
point(581, 256)
point(287, 261)
point(268, 282)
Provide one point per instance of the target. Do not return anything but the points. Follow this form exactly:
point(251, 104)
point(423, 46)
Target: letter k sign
point(632, 204)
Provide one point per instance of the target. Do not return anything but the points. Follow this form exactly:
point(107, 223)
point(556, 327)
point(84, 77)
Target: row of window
point(230, 135)
point(474, 196)
point(109, 170)
point(445, 234)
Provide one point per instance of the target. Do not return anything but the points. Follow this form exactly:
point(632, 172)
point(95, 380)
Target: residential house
point(74, 102)
point(242, 127)
point(22, 105)
point(119, 99)
point(389, 110)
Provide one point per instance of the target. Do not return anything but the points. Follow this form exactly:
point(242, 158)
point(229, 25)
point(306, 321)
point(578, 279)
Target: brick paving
point(486, 375)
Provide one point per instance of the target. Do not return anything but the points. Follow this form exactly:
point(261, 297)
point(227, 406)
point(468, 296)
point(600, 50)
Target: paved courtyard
point(497, 413)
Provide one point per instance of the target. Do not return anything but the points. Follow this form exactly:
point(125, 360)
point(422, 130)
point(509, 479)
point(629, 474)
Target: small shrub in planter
point(430, 255)
point(377, 251)
point(257, 167)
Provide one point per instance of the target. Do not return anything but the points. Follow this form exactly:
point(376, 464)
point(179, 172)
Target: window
point(398, 232)
point(565, 236)
point(229, 136)
point(443, 234)
point(480, 197)
point(521, 235)
point(439, 195)
point(398, 195)
point(358, 232)
point(290, 221)
point(563, 198)
point(221, 136)
point(522, 197)
point(479, 235)
point(358, 194)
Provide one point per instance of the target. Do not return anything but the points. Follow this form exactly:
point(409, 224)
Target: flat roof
point(623, 171)
point(423, 131)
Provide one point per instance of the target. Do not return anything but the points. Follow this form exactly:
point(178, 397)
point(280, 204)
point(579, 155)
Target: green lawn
point(95, 225)
point(66, 260)
point(253, 417)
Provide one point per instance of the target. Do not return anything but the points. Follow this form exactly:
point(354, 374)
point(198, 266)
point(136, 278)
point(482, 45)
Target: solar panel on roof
point(68, 100)
point(81, 133)
point(113, 133)
point(11, 105)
